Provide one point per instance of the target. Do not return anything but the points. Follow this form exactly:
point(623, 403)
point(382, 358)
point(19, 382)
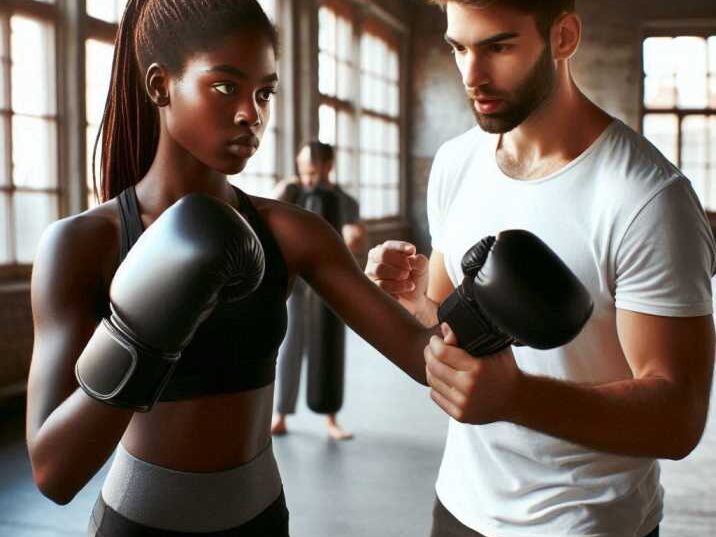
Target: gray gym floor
point(379, 484)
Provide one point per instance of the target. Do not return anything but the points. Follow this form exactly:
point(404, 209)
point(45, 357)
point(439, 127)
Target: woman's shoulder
point(85, 243)
point(299, 233)
point(283, 217)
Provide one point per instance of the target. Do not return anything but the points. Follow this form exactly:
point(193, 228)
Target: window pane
point(327, 124)
point(661, 130)
point(394, 171)
point(694, 154)
point(392, 206)
point(325, 22)
point(33, 213)
point(691, 75)
point(345, 130)
point(4, 229)
point(4, 67)
point(327, 30)
point(394, 100)
point(393, 66)
point(33, 73)
point(659, 56)
point(4, 169)
point(345, 39)
point(345, 82)
point(34, 152)
point(99, 70)
point(326, 74)
point(345, 170)
point(365, 51)
point(106, 10)
point(660, 91)
point(98, 73)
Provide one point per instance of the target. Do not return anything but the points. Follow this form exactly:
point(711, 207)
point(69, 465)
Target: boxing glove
point(199, 251)
point(516, 291)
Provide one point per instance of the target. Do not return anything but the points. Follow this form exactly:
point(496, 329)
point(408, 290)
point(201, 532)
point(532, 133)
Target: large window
point(359, 113)
point(28, 132)
point(679, 106)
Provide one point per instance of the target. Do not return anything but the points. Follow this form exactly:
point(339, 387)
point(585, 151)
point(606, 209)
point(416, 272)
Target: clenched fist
point(397, 269)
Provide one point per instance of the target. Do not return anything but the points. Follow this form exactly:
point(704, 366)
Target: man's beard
point(522, 102)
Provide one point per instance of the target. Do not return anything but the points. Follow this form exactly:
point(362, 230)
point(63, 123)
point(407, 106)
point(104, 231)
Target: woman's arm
point(317, 253)
point(69, 434)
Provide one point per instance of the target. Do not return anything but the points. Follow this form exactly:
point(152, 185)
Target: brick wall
point(15, 338)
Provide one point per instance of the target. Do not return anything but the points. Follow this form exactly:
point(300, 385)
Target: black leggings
point(105, 522)
point(446, 525)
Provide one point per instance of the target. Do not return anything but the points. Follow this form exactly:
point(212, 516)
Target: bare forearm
point(427, 313)
point(73, 443)
point(648, 417)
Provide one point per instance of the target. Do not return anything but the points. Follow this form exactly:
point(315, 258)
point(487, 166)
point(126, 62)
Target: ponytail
point(163, 31)
point(129, 130)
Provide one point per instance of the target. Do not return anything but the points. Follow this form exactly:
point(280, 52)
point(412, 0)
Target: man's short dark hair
point(545, 12)
point(320, 152)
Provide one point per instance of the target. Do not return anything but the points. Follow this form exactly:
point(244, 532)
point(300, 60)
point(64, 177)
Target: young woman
point(190, 97)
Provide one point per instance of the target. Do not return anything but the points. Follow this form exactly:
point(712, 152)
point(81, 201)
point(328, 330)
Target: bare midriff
point(205, 434)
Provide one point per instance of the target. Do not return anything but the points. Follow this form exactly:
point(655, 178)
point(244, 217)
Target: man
point(314, 164)
point(559, 442)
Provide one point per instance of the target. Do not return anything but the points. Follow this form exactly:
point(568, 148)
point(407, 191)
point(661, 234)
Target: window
point(262, 171)
point(679, 106)
point(106, 10)
point(336, 84)
point(380, 126)
point(98, 71)
point(359, 109)
point(29, 192)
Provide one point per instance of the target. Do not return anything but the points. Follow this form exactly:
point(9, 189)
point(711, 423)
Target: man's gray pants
point(290, 354)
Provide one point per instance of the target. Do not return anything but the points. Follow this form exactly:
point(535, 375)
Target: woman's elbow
point(52, 485)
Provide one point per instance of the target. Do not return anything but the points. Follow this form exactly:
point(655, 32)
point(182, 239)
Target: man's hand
point(395, 267)
point(471, 390)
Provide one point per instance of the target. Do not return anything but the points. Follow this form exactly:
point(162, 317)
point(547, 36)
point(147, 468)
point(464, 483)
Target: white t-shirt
point(629, 225)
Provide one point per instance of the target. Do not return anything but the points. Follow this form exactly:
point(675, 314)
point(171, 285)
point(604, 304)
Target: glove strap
point(116, 369)
point(475, 334)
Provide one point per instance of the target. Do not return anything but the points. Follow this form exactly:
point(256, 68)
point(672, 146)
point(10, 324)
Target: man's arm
point(355, 237)
point(660, 412)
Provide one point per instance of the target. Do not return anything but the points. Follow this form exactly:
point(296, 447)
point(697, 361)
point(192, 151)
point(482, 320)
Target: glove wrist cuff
point(114, 369)
point(475, 334)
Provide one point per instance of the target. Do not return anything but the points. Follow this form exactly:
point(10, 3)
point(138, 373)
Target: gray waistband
point(190, 501)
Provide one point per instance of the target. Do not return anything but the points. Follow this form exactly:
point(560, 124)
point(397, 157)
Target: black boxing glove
point(199, 251)
point(516, 291)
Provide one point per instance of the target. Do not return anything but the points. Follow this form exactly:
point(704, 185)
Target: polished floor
point(379, 484)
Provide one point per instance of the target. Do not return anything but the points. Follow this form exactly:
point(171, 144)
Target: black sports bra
point(235, 348)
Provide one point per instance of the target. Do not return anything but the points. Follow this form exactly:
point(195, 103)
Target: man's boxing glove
point(199, 251)
point(517, 291)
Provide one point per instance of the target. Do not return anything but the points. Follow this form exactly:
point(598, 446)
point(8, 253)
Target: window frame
point(52, 14)
point(672, 29)
point(369, 17)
